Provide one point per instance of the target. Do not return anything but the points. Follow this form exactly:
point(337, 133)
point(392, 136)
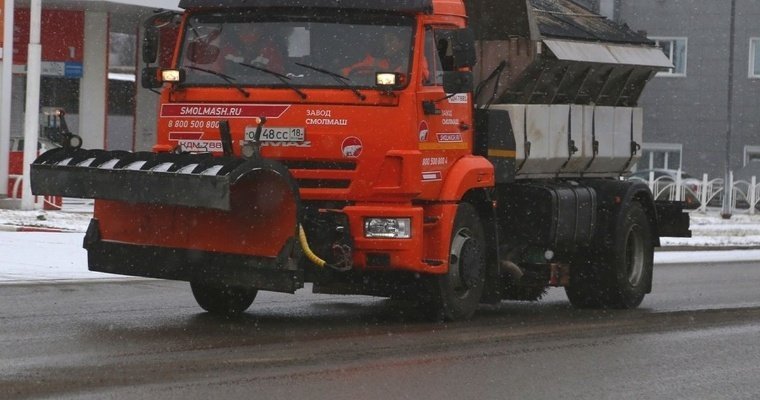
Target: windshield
point(313, 51)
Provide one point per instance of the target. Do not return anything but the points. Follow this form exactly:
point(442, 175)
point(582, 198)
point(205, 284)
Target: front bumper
point(415, 254)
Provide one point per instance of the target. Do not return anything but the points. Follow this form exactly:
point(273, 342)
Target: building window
point(675, 50)
point(751, 154)
point(660, 156)
point(754, 58)
point(607, 8)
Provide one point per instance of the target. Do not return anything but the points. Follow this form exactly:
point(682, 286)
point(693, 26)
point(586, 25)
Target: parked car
point(665, 182)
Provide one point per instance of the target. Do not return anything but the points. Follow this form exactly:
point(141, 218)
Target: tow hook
point(344, 257)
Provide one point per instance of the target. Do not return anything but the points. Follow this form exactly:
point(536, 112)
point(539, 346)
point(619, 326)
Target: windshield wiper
point(338, 78)
point(226, 78)
point(283, 78)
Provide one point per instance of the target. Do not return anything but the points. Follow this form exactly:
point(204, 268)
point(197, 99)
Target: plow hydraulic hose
point(342, 266)
point(305, 246)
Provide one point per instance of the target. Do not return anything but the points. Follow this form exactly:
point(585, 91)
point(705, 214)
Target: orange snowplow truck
point(446, 151)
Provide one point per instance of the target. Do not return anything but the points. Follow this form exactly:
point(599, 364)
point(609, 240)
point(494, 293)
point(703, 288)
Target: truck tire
point(223, 300)
point(456, 295)
point(621, 277)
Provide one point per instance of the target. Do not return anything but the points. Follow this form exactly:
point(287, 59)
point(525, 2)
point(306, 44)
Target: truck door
point(444, 125)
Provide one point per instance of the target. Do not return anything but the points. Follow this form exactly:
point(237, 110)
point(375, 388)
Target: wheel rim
point(462, 262)
point(634, 256)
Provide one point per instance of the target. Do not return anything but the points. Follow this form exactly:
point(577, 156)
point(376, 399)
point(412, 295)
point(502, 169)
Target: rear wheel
point(223, 300)
point(456, 295)
point(622, 276)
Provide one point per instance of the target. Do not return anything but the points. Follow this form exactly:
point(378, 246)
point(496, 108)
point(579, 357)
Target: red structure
point(14, 187)
point(62, 35)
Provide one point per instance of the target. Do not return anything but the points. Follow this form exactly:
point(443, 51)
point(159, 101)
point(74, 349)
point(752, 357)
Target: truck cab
point(369, 138)
point(393, 126)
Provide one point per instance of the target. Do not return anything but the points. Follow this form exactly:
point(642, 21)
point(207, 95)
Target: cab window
point(438, 55)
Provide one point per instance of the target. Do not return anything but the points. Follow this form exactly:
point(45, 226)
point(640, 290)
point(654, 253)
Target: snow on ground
point(43, 256)
point(37, 256)
point(75, 222)
point(710, 230)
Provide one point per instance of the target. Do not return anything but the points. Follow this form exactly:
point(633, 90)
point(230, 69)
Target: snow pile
point(710, 230)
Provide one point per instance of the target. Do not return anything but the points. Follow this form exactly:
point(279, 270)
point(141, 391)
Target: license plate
point(277, 134)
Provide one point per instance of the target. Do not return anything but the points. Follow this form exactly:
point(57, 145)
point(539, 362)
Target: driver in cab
point(393, 58)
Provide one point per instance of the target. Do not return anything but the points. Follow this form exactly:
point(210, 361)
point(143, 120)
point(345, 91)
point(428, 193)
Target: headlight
point(389, 228)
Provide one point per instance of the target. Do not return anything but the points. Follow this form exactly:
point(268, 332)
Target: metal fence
point(704, 194)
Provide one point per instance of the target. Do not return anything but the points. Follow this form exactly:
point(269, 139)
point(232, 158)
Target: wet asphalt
point(695, 336)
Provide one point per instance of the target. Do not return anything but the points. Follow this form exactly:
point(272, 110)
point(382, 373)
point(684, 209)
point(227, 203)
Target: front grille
point(321, 174)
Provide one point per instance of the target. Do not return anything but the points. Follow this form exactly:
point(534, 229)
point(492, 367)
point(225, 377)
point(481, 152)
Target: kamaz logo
point(201, 146)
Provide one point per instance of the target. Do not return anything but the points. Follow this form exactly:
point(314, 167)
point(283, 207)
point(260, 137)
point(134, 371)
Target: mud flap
point(672, 221)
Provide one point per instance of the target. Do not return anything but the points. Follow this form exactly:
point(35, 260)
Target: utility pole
point(32, 112)
point(5, 96)
point(728, 190)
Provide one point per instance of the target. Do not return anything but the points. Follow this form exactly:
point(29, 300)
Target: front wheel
point(456, 295)
point(223, 300)
point(622, 276)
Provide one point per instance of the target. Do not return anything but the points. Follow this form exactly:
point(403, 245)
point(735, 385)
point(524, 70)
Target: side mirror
point(151, 36)
point(200, 52)
point(150, 79)
point(457, 82)
point(463, 48)
point(150, 45)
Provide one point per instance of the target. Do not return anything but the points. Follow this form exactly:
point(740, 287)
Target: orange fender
point(469, 172)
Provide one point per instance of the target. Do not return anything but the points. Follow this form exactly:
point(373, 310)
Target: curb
point(76, 281)
point(14, 228)
point(666, 249)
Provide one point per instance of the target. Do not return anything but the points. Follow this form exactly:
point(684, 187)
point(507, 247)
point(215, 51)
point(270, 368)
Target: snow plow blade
point(190, 180)
point(189, 217)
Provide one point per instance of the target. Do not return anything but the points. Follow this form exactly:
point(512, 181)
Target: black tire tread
point(222, 300)
point(603, 283)
point(443, 302)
